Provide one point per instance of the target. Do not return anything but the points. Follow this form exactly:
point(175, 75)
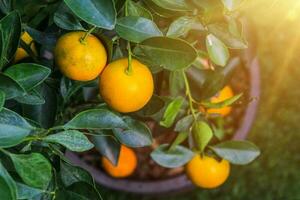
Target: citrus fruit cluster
point(82, 57)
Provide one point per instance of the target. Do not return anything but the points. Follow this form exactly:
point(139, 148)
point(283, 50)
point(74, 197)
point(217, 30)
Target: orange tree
point(141, 55)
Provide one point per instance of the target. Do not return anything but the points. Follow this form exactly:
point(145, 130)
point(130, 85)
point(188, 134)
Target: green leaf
point(34, 169)
point(184, 124)
point(169, 53)
point(174, 5)
point(13, 128)
point(43, 114)
point(10, 31)
point(79, 191)
point(202, 134)
point(98, 13)
point(8, 188)
point(2, 99)
point(136, 29)
point(237, 152)
point(96, 119)
point(181, 137)
point(135, 9)
point(232, 4)
point(231, 40)
point(27, 192)
point(71, 139)
point(69, 87)
point(210, 82)
point(28, 75)
point(181, 26)
point(171, 112)
point(10, 87)
point(217, 50)
point(136, 135)
point(222, 104)
point(5, 6)
point(155, 104)
point(108, 146)
point(65, 19)
point(72, 174)
point(32, 98)
point(176, 83)
point(172, 158)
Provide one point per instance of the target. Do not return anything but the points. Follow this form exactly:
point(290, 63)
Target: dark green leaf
point(71, 139)
point(184, 124)
point(79, 191)
point(155, 104)
point(32, 98)
point(96, 119)
point(13, 128)
point(34, 169)
point(181, 137)
point(181, 26)
point(237, 152)
point(69, 87)
point(10, 31)
point(27, 192)
point(174, 5)
point(217, 51)
point(171, 112)
point(135, 9)
point(176, 83)
point(136, 29)
point(8, 188)
point(10, 87)
point(72, 174)
point(202, 134)
point(2, 99)
point(136, 135)
point(169, 53)
point(172, 158)
point(108, 146)
point(5, 6)
point(65, 19)
point(231, 40)
point(28, 75)
point(209, 82)
point(43, 114)
point(98, 13)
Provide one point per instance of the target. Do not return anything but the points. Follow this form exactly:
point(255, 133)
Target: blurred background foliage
point(275, 175)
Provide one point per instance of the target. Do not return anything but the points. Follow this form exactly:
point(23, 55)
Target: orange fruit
point(126, 92)
point(126, 164)
point(78, 60)
point(207, 172)
point(21, 53)
point(223, 95)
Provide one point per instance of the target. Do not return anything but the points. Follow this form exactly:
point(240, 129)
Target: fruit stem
point(188, 93)
point(83, 39)
point(128, 70)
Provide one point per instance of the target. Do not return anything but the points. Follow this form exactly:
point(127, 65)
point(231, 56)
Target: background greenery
point(275, 175)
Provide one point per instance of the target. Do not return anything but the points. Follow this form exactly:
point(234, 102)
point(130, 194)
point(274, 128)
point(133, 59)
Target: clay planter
point(180, 182)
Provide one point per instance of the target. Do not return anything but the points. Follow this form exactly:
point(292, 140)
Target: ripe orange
point(207, 172)
point(21, 53)
point(223, 95)
point(126, 164)
point(81, 61)
point(126, 92)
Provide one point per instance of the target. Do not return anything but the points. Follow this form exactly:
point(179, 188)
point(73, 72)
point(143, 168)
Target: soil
point(147, 169)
